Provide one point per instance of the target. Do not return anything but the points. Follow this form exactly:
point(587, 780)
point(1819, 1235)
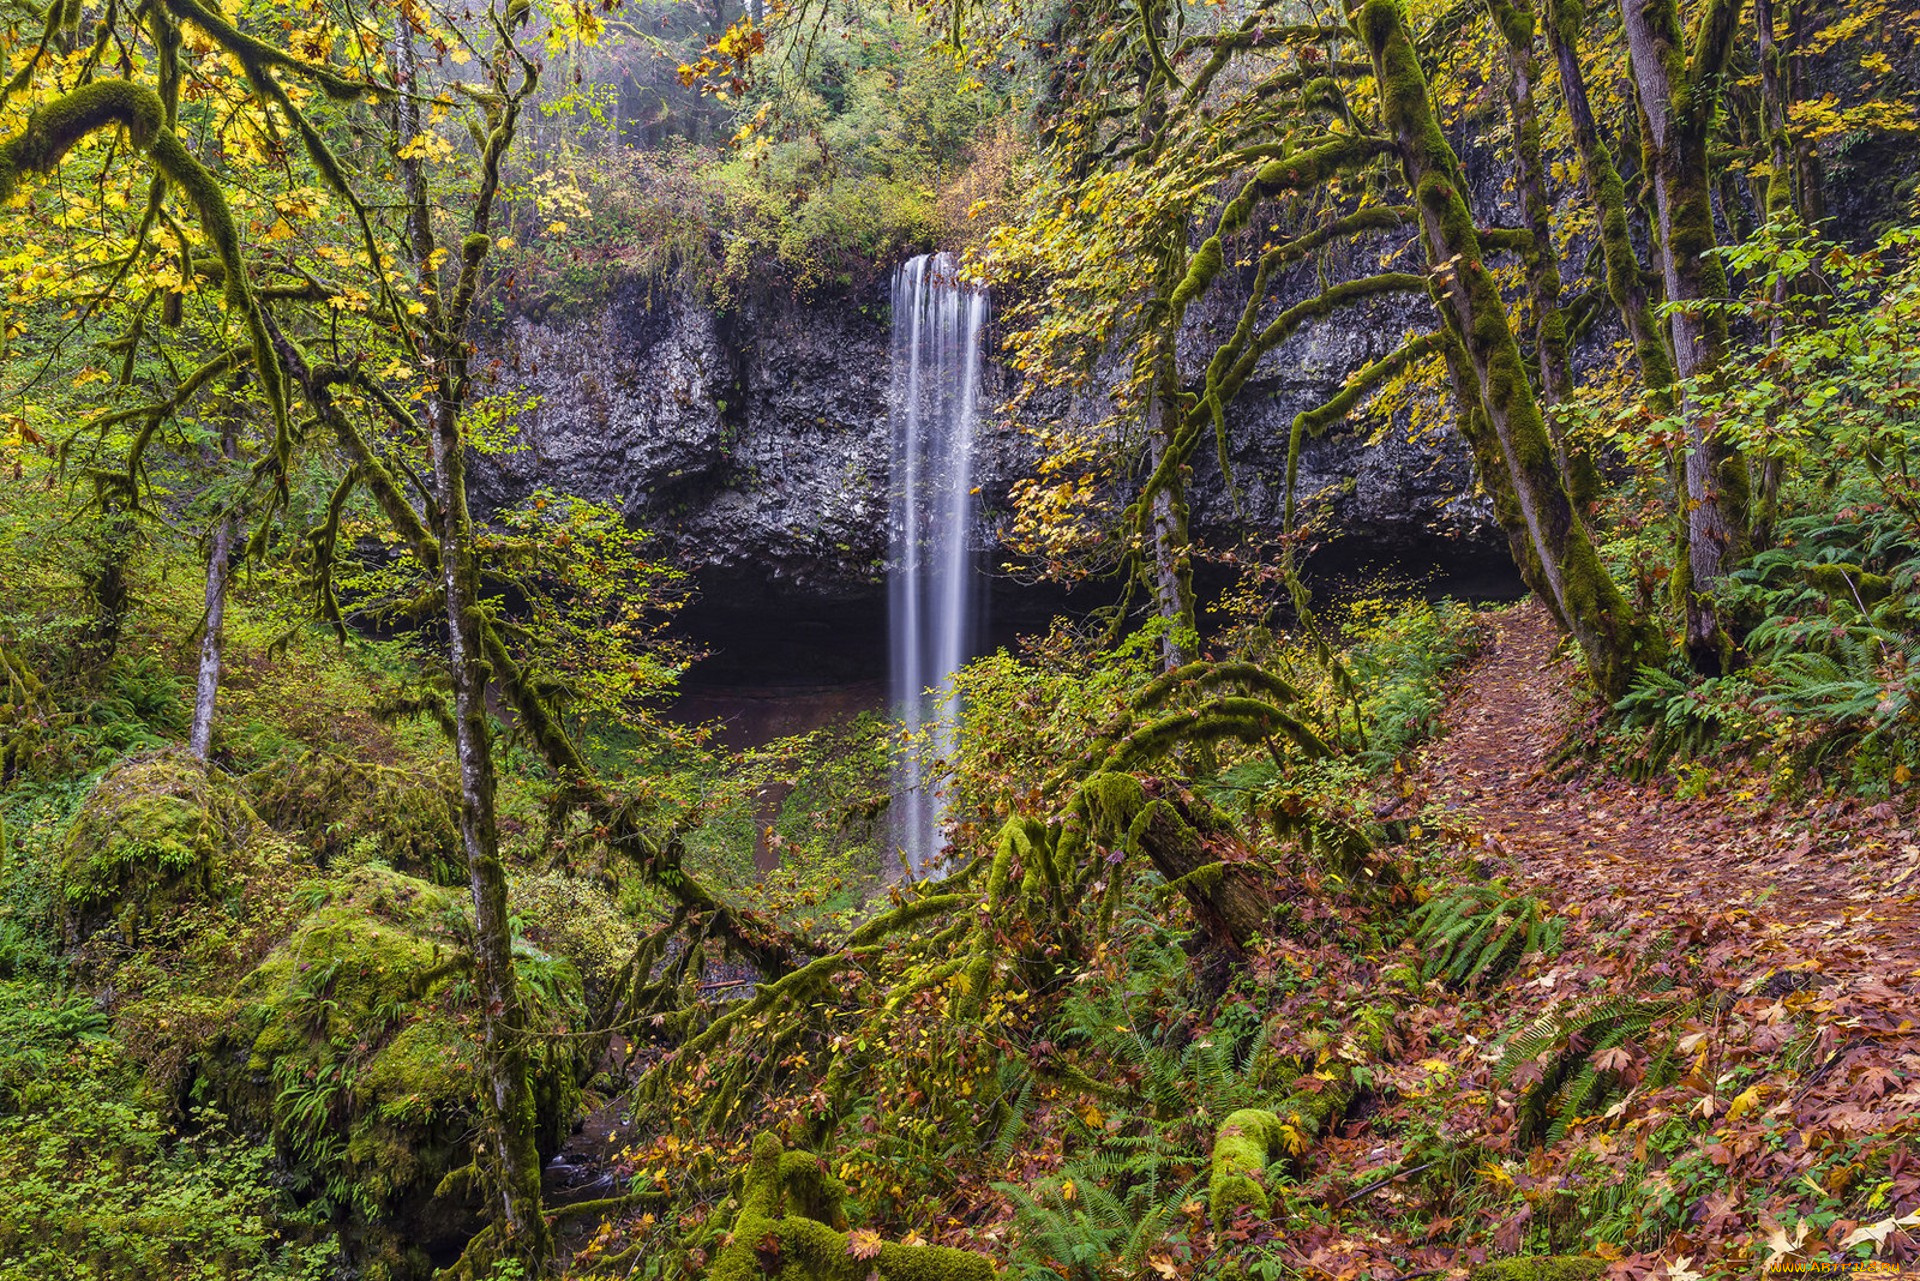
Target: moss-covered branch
point(1293, 173)
point(1360, 384)
point(57, 127)
point(257, 55)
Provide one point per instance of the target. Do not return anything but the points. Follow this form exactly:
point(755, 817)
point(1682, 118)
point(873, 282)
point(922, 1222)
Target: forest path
point(1832, 887)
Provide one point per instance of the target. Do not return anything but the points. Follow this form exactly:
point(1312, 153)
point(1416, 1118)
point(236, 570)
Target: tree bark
point(212, 640)
point(1233, 905)
point(1809, 172)
point(1490, 465)
point(1778, 206)
point(207, 688)
point(1626, 274)
point(503, 1016)
point(1581, 591)
point(1679, 97)
point(515, 1153)
point(1515, 21)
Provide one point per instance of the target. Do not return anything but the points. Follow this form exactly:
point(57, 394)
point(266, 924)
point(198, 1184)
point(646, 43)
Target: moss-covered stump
point(155, 834)
point(356, 1045)
point(1549, 1267)
point(785, 1231)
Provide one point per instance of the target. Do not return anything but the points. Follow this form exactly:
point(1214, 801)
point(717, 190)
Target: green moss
point(354, 1045)
point(1247, 1143)
point(1848, 583)
point(799, 1247)
point(351, 811)
point(146, 841)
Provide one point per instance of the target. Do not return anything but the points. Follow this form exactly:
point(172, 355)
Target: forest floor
point(1831, 887)
point(1789, 930)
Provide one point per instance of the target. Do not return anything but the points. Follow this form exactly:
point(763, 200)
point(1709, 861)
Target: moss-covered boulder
point(350, 811)
point(156, 833)
point(356, 1044)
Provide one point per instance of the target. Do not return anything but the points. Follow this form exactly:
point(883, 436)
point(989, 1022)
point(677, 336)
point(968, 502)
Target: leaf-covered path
point(1785, 937)
point(1833, 887)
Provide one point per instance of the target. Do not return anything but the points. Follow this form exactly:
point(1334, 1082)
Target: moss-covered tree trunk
point(503, 1017)
point(1626, 274)
point(513, 1158)
point(1232, 903)
point(1809, 171)
point(1779, 206)
point(1514, 19)
point(1490, 465)
point(1582, 593)
point(1679, 97)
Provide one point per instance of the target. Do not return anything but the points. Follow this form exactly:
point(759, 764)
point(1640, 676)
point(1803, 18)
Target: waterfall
point(931, 585)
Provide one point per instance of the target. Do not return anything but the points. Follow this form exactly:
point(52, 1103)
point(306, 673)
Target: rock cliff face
point(757, 442)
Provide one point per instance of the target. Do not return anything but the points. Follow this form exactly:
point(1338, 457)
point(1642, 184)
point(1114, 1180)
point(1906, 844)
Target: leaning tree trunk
point(1582, 593)
point(1678, 97)
point(1809, 171)
point(1626, 275)
point(1490, 465)
point(1232, 902)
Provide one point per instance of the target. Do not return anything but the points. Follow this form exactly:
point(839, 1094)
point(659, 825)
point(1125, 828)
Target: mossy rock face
point(151, 837)
point(357, 1046)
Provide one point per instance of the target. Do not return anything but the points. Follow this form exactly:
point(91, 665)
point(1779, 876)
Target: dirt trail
point(1828, 887)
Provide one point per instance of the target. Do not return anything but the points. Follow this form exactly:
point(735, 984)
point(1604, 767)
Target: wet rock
point(756, 442)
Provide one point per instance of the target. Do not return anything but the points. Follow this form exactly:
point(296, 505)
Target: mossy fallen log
point(1247, 1143)
point(803, 1245)
point(1252, 1139)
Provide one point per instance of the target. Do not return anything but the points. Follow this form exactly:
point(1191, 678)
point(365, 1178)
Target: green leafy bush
point(99, 1185)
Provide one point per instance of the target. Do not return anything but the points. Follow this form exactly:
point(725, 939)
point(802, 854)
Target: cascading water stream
point(931, 587)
